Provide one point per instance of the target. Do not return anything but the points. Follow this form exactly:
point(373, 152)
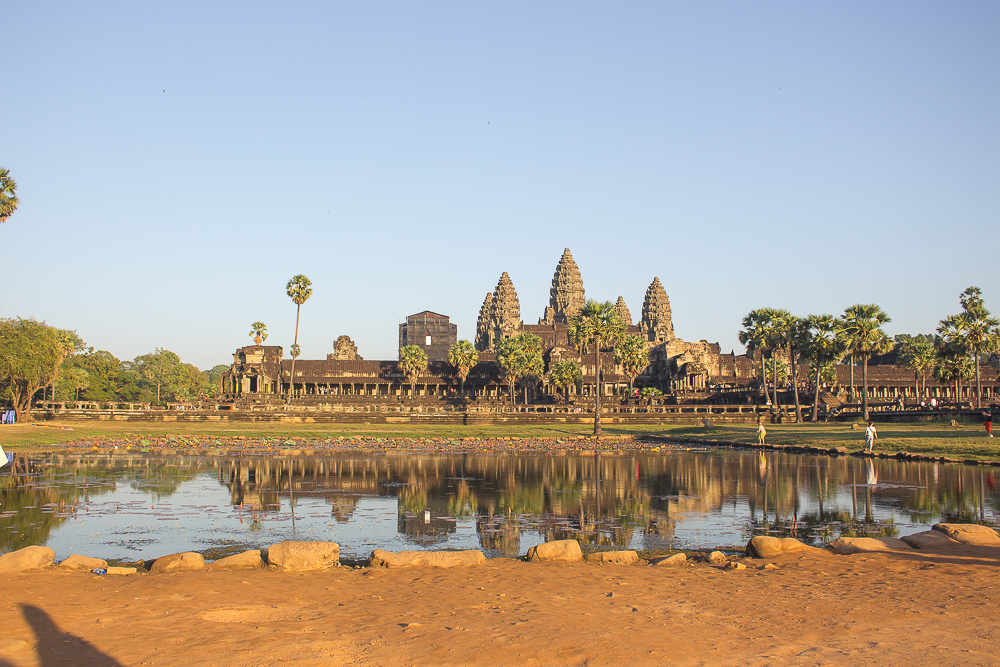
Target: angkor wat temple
point(676, 366)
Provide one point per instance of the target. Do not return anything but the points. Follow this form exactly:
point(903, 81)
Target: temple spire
point(566, 297)
point(657, 323)
point(623, 313)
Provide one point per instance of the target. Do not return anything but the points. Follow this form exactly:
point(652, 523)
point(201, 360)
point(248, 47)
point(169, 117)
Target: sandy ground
point(880, 609)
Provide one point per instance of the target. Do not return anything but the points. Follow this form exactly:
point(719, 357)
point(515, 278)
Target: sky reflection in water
point(132, 507)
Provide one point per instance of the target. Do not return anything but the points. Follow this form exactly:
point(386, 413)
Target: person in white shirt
point(871, 435)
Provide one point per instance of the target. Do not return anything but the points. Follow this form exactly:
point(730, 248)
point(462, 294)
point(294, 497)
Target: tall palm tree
point(953, 363)
point(633, 356)
point(917, 354)
point(824, 345)
point(413, 362)
point(463, 356)
point(508, 355)
point(299, 289)
point(258, 331)
point(565, 374)
point(863, 330)
point(796, 338)
point(980, 330)
point(8, 195)
point(598, 324)
point(531, 365)
point(764, 330)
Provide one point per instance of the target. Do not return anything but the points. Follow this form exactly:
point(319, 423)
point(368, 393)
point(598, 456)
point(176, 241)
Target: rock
point(613, 558)
point(735, 566)
point(928, 540)
point(28, 558)
point(672, 561)
point(304, 556)
point(764, 546)
point(183, 562)
point(248, 560)
point(968, 533)
point(562, 551)
point(121, 570)
point(715, 558)
point(856, 545)
point(76, 562)
point(382, 558)
point(854, 427)
point(770, 566)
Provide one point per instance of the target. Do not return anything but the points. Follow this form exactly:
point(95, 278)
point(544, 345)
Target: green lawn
point(965, 441)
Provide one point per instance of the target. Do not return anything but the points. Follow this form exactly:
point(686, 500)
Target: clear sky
point(178, 162)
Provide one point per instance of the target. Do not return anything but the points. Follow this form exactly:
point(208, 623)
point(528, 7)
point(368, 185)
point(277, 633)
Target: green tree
point(764, 330)
point(565, 374)
point(824, 346)
point(508, 352)
point(69, 345)
point(633, 356)
point(29, 354)
point(954, 362)
point(796, 338)
point(531, 365)
point(917, 354)
point(865, 338)
point(258, 331)
point(103, 372)
point(462, 355)
point(412, 362)
point(598, 324)
point(8, 195)
point(71, 380)
point(215, 376)
point(299, 289)
point(980, 331)
point(776, 372)
point(162, 368)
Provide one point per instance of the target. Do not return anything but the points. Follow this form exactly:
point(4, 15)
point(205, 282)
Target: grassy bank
point(965, 441)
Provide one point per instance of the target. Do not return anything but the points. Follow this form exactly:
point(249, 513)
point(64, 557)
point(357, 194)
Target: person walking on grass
point(871, 435)
point(761, 433)
point(988, 421)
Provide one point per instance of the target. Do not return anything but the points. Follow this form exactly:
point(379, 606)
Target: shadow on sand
point(55, 647)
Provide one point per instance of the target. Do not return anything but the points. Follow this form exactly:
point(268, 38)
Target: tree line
point(953, 354)
point(38, 361)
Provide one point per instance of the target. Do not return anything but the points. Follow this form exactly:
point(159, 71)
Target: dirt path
point(913, 609)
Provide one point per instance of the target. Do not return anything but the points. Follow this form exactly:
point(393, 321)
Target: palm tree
point(981, 332)
point(299, 288)
point(865, 338)
point(413, 362)
point(824, 345)
point(508, 353)
point(633, 356)
point(531, 366)
point(953, 363)
point(917, 354)
point(258, 331)
point(796, 338)
point(8, 195)
point(598, 323)
point(564, 375)
point(764, 330)
point(463, 356)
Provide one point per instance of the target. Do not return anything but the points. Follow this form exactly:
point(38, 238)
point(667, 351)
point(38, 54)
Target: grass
point(937, 438)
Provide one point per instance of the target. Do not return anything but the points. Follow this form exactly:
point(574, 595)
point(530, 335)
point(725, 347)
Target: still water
point(132, 507)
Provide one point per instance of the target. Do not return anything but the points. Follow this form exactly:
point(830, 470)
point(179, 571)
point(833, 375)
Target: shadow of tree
point(55, 647)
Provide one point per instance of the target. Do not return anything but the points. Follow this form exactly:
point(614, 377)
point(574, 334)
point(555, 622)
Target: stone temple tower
point(500, 316)
point(657, 325)
point(623, 313)
point(566, 296)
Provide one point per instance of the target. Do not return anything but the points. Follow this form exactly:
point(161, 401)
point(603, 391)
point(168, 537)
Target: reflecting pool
point(138, 506)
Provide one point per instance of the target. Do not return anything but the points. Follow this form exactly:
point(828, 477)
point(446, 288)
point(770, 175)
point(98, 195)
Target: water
point(131, 507)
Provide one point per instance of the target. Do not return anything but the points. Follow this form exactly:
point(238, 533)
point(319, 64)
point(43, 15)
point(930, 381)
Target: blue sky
point(178, 162)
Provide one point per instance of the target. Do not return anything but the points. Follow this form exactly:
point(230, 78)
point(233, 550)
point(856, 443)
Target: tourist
point(761, 433)
point(988, 421)
point(933, 403)
point(871, 435)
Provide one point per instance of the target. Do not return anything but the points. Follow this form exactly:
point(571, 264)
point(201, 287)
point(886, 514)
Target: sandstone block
point(248, 560)
point(613, 558)
point(182, 562)
point(715, 558)
point(764, 546)
point(856, 545)
point(969, 533)
point(28, 558)
point(77, 562)
point(563, 551)
point(672, 561)
point(928, 539)
point(304, 556)
point(381, 558)
point(121, 570)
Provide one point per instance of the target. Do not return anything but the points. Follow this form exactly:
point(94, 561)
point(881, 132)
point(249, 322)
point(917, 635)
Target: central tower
point(567, 295)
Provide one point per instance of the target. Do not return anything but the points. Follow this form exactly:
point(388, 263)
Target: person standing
point(988, 421)
point(871, 435)
point(761, 433)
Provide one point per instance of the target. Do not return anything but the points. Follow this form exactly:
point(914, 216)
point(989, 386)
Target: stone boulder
point(733, 565)
point(28, 558)
point(188, 561)
point(929, 539)
point(562, 551)
point(715, 558)
point(764, 546)
point(381, 558)
point(858, 545)
point(122, 571)
point(304, 556)
point(76, 562)
point(248, 560)
point(613, 558)
point(969, 533)
point(671, 561)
